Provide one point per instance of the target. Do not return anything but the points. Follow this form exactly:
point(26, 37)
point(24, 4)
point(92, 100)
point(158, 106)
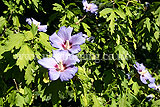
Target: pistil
point(67, 45)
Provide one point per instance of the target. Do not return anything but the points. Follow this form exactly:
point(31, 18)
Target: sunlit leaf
point(24, 56)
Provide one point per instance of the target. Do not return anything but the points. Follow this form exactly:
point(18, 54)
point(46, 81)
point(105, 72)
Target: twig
point(15, 84)
point(128, 3)
point(113, 4)
point(81, 19)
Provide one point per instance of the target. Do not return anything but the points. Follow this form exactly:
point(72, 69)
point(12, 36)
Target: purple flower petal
point(89, 7)
point(150, 97)
point(60, 55)
point(42, 28)
point(56, 41)
point(85, 3)
point(47, 62)
point(68, 73)
point(75, 49)
point(29, 21)
point(85, 36)
point(152, 85)
point(147, 76)
point(65, 33)
point(136, 65)
point(139, 67)
point(128, 76)
point(151, 80)
point(73, 59)
point(64, 42)
point(54, 74)
point(142, 67)
point(35, 22)
point(143, 79)
point(94, 8)
point(77, 39)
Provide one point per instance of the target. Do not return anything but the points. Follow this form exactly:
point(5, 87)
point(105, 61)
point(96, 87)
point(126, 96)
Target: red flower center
point(89, 6)
point(60, 66)
point(67, 45)
point(140, 70)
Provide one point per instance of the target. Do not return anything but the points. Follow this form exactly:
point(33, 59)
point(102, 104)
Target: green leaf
point(24, 56)
point(28, 35)
point(16, 21)
point(105, 11)
point(120, 13)
point(82, 73)
point(123, 101)
point(114, 104)
point(156, 35)
point(44, 40)
point(122, 52)
point(84, 98)
point(96, 101)
point(132, 98)
point(86, 28)
point(135, 88)
point(2, 23)
point(12, 98)
point(63, 21)
point(123, 55)
point(130, 82)
point(19, 100)
point(71, 4)
point(35, 2)
point(29, 73)
point(1, 102)
point(147, 22)
point(2, 50)
point(18, 1)
point(158, 20)
point(28, 95)
point(69, 14)
point(128, 12)
point(157, 11)
point(15, 40)
point(156, 103)
point(112, 24)
point(34, 29)
point(118, 39)
point(149, 46)
point(7, 68)
point(58, 7)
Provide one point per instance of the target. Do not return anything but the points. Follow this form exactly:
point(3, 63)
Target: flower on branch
point(89, 7)
point(41, 28)
point(153, 85)
point(144, 74)
point(64, 41)
point(61, 65)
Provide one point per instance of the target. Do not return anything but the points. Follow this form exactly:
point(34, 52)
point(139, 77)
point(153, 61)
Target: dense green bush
point(120, 34)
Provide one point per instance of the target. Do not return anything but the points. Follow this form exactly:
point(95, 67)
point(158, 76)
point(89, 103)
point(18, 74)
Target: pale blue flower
point(64, 41)
point(150, 97)
point(41, 28)
point(153, 85)
point(140, 67)
point(89, 7)
point(61, 65)
point(144, 74)
point(128, 76)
